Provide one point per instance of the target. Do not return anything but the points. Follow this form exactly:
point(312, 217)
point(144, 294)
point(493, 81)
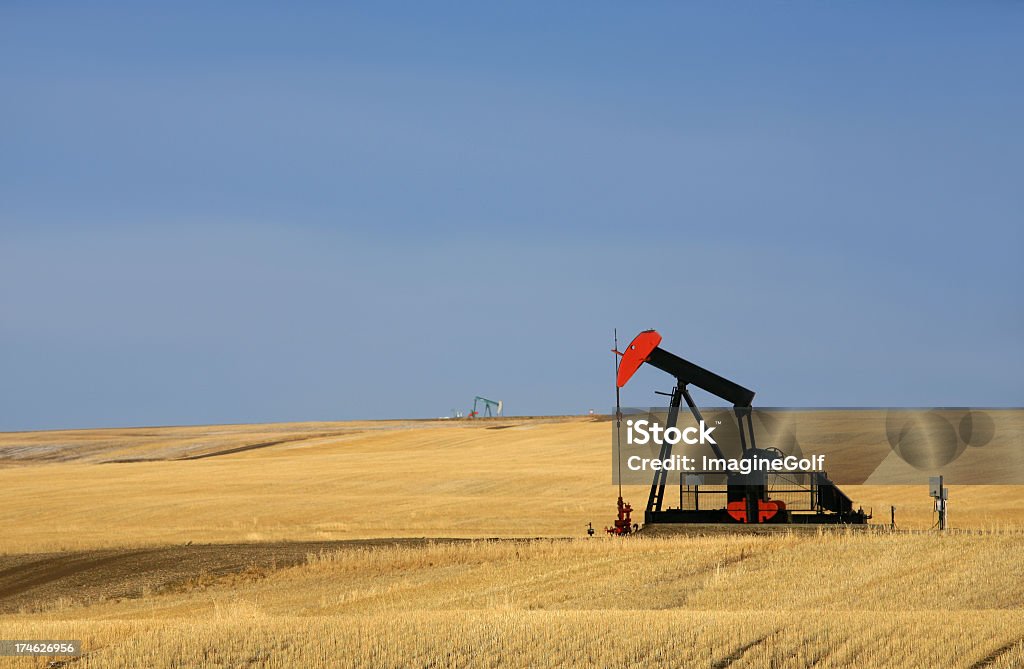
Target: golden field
point(107, 539)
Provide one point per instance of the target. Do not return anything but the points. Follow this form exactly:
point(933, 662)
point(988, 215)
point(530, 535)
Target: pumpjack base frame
point(720, 517)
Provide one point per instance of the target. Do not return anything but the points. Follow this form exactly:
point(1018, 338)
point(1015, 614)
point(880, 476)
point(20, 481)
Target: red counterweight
point(766, 509)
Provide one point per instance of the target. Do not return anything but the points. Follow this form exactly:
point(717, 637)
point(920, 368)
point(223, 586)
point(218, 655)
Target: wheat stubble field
point(458, 543)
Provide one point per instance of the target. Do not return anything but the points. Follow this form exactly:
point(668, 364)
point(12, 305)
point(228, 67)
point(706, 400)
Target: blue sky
point(245, 213)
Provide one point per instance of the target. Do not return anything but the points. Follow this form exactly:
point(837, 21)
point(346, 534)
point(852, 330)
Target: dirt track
point(35, 581)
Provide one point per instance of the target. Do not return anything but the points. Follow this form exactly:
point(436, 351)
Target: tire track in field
point(228, 451)
point(262, 444)
point(738, 654)
point(994, 656)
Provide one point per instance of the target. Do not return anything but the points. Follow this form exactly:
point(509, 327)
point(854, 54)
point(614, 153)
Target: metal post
point(942, 505)
point(937, 490)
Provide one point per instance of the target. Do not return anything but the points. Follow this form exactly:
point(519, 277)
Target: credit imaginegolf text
point(685, 463)
point(642, 432)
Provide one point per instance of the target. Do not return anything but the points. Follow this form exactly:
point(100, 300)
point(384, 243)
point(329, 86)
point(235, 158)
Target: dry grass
point(780, 639)
point(386, 480)
point(834, 600)
point(790, 600)
point(362, 480)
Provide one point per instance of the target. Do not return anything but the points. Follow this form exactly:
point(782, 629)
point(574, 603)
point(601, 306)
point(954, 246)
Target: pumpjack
point(491, 407)
point(809, 498)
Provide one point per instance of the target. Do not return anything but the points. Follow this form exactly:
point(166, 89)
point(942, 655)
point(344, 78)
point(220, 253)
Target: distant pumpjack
point(491, 407)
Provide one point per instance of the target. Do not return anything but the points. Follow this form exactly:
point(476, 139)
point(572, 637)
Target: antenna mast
point(618, 411)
